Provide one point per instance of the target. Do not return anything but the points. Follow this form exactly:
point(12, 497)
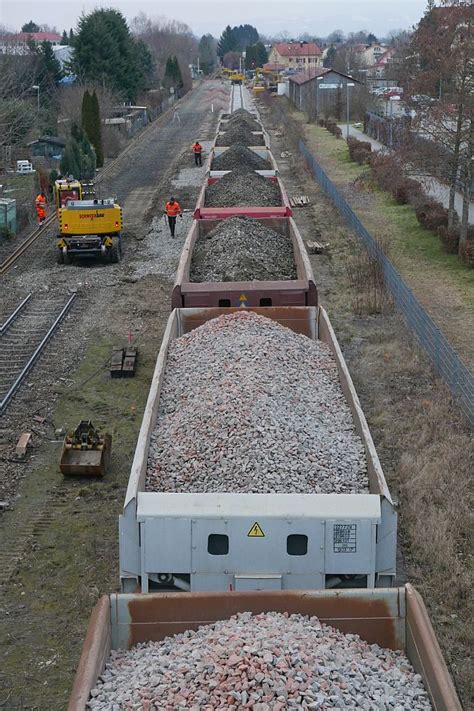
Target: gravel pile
point(242, 189)
point(248, 405)
point(265, 662)
point(238, 156)
point(242, 249)
point(239, 133)
point(244, 117)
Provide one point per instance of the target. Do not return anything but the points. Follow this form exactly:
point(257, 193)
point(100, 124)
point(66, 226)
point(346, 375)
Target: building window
point(297, 544)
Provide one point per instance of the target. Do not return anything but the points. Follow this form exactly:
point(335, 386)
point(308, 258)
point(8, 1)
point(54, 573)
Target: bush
point(467, 252)
point(384, 169)
point(361, 156)
point(406, 191)
point(338, 132)
point(5, 233)
point(449, 239)
point(322, 122)
point(431, 215)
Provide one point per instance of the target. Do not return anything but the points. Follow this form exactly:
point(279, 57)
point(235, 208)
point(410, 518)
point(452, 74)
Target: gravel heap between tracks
point(242, 189)
point(239, 156)
point(248, 405)
point(242, 249)
point(239, 133)
point(265, 662)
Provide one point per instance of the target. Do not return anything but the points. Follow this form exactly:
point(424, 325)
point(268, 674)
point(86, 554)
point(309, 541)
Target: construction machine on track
point(88, 227)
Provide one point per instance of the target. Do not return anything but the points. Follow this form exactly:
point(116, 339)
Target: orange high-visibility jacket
point(197, 148)
point(173, 209)
point(40, 201)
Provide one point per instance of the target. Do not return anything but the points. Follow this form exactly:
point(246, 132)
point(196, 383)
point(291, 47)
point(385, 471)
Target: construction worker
point(197, 150)
point(172, 210)
point(40, 204)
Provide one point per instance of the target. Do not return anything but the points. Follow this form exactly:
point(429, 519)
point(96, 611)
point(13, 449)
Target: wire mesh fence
point(442, 355)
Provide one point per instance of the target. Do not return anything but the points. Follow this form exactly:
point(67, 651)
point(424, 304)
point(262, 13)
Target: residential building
point(18, 43)
point(296, 55)
point(369, 54)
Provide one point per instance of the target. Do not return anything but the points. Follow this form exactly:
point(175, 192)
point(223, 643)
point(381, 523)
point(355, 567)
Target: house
point(369, 54)
point(50, 147)
point(384, 63)
point(305, 90)
point(18, 43)
point(296, 55)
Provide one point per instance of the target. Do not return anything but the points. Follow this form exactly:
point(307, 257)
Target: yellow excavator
point(88, 227)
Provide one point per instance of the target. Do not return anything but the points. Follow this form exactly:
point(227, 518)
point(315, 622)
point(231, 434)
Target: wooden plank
point(129, 363)
point(116, 362)
point(22, 444)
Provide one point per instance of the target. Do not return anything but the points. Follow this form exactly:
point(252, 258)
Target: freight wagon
point(167, 539)
point(296, 292)
point(392, 618)
point(203, 211)
point(264, 153)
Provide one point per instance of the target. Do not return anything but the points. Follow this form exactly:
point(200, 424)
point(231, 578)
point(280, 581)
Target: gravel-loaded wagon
point(262, 287)
point(254, 466)
point(241, 197)
point(223, 158)
point(343, 649)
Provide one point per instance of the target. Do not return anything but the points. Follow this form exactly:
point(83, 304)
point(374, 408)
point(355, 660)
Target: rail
point(36, 353)
point(444, 359)
point(15, 314)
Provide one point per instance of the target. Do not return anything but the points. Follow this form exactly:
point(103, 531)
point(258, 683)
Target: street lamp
point(318, 79)
point(348, 84)
point(36, 87)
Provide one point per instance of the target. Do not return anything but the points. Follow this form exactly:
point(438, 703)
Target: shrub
point(405, 190)
point(322, 122)
point(449, 239)
point(383, 168)
point(338, 132)
point(5, 233)
point(467, 252)
point(361, 156)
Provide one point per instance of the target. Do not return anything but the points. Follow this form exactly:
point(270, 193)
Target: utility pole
point(348, 84)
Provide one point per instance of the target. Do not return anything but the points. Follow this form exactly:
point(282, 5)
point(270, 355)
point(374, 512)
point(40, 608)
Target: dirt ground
point(59, 542)
point(424, 443)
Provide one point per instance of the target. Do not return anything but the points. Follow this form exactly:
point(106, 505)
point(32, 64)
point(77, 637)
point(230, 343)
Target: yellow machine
point(85, 452)
point(237, 77)
point(87, 228)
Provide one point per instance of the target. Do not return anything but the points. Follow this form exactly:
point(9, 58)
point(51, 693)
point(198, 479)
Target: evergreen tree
point(328, 60)
point(91, 124)
point(173, 76)
point(255, 56)
point(105, 51)
point(207, 53)
point(30, 27)
point(71, 37)
point(64, 39)
point(49, 72)
point(227, 42)
point(79, 159)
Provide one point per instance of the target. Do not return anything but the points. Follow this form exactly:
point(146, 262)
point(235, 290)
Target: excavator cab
point(67, 189)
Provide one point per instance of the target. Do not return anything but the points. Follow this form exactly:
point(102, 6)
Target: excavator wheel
point(115, 252)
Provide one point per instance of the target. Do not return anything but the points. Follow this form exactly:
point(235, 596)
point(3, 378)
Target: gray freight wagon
point(166, 538)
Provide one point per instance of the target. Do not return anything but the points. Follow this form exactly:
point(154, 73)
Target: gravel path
point(249, 406)
point(238, 189)
point(265, 662)
point(242, 249)
point(238, 156)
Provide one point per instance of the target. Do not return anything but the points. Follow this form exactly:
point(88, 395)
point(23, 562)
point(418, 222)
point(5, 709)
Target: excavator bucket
point(85, 452)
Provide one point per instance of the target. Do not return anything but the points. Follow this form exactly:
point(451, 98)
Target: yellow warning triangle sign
point(242, 297)
point(256, 531)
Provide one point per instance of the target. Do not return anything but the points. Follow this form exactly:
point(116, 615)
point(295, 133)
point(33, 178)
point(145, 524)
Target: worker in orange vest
point(40, 204)
point(197, 150)
point(172, 210)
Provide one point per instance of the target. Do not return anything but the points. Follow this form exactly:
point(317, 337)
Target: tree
point(231, 60)
point(255, 56)
point(105, 51)
point(64, 38)
point(328, 60)
point(91, 124)
point(71, 37)
point(442, 49)
point(207, 53)
point(49, 69)
point(227, 42)
point(173, 76)
point(79, 159)
point(30, 27)
point(371, 38)
point(336, 37)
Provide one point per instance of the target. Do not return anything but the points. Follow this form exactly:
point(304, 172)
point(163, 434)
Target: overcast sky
point(268, 16)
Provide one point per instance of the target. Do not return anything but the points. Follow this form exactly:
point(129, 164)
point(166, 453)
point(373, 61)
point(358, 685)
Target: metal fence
point(442, 355)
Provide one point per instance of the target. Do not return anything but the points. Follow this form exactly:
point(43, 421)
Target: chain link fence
point(442, 355)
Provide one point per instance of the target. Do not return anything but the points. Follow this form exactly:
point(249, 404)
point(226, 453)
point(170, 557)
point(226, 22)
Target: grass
point(412, 247)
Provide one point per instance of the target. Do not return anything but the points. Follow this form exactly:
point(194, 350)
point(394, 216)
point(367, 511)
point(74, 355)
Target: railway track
point(24, 335)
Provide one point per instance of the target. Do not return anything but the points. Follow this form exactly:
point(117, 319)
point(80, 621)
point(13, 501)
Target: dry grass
point(365, 274)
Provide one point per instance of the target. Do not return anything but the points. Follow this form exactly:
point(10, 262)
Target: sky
point(270, 17)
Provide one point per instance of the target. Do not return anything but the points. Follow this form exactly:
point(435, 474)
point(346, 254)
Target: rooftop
point(298, 49)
